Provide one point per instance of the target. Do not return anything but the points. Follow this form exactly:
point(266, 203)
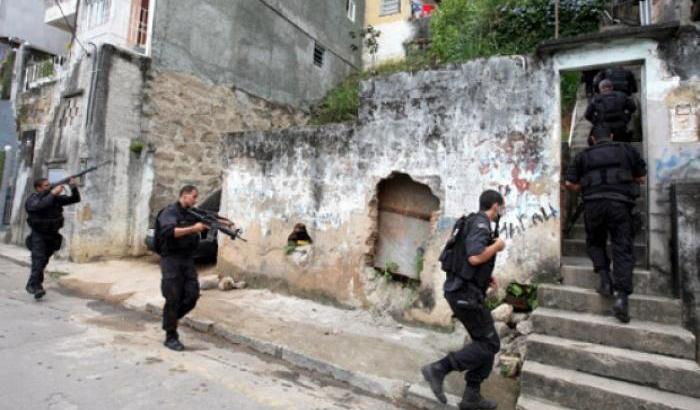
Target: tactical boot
point(621, 308)
point(472, 400)
point(605, 288)
point(30, 289)
point(434, 374)
point(174, 344)
point(39, 292)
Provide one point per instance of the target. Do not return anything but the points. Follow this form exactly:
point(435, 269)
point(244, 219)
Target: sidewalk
point(375, 354)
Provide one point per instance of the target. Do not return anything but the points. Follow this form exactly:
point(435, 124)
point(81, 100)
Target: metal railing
point(40, 70)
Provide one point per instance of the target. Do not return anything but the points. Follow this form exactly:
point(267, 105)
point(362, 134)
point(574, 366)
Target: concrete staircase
point(581, 357)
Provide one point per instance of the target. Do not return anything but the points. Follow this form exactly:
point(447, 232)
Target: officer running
point(45, 217)
point(609, 174)
point(611, 109)
point(465, 292)
point(178, 232)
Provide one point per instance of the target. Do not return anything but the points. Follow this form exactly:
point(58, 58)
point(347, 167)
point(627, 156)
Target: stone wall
point(457, 130)
point(184, 119)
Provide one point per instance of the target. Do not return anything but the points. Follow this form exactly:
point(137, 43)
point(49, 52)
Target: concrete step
point(642, 307)
point(532, 403)
point(661, 372)
point(580, 274)
point(579, 232)
point(577, 247)
point(637, 335)
point(584, 391)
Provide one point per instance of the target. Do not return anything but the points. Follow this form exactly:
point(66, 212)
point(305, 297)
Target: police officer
point(609, 174)
point(179, 232)
point(45, 217)
point(622, 80)
point(465, 294)
point(612, 110)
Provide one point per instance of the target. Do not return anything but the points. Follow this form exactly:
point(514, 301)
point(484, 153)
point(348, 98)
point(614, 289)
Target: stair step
point(661, 372)
point(642, 307)
point(638, 335)
point(588, 392)
point(577, 247)
point(579, 272)
point(532, 403)
point(579, 232)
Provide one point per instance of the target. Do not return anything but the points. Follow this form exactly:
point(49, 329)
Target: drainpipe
point(644, 12)
point(93, 81)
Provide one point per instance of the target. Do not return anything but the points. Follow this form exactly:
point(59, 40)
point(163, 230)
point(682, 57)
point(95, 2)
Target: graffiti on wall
point(674, 165)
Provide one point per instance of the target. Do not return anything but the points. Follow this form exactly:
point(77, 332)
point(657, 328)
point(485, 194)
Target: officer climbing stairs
point(581, 357)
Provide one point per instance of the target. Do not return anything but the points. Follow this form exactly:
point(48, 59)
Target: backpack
point(157, 236)
point(611, 108)
point(618, 77)
point(453, 257)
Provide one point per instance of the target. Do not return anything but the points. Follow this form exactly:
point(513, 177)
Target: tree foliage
point(465, 29)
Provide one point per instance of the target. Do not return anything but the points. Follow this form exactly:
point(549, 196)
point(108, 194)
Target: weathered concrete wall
point(184, 119)
point(670, 117)
point(82, 129)
point(688, 252)
point(459, 130)
point(265, 47)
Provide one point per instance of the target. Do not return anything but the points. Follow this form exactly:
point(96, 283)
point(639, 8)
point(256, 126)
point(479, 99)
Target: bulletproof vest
point(610, 108)
point(618, 77)
point(49, 220)
point(608, 173)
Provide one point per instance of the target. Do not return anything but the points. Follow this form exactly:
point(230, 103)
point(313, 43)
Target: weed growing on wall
point(6, 67)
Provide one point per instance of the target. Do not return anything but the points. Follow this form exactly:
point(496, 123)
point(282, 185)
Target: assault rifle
point(574, 218)
point(78, 175)
point(212, 220)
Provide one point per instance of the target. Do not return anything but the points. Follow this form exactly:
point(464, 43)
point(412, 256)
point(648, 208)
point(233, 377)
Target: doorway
point(578, 87)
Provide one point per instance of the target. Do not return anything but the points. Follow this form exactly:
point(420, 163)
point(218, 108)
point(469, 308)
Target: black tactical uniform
point(465, 292)
point(612, 110)
point(45, 217)
point(179, 284)
point(622, 80)
point(606, 173)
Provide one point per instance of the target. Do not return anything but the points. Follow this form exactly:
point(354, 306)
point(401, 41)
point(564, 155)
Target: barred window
point(319, 53)
point(98, 12)
point(389, 7)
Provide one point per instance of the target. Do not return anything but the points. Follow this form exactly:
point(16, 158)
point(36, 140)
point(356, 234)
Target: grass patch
point(56, 274)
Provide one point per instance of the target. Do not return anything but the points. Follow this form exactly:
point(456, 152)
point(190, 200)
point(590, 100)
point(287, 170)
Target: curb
point(15, 260)
point(413, 394)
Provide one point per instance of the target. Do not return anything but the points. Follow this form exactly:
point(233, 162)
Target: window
point(350, 9)
point(28, 139)
point(319, 52)
point(138, 26)
point(388, 7)
point(98, 12)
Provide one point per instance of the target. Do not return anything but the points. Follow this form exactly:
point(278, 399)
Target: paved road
point(65, 352)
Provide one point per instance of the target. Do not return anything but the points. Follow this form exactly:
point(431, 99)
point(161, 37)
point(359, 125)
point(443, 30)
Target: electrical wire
point(74, 35)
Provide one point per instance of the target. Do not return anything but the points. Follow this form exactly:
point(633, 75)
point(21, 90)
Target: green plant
point(419, 261)
point(2, 163)
point(517, 293)
point(492, 302)
point(289, 248)
point(465, 29)
point(136, 146)
point(6, 68)
point(46, 68)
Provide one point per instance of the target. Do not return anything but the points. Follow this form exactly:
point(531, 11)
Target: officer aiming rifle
point(217, 222)
point(45, 216)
